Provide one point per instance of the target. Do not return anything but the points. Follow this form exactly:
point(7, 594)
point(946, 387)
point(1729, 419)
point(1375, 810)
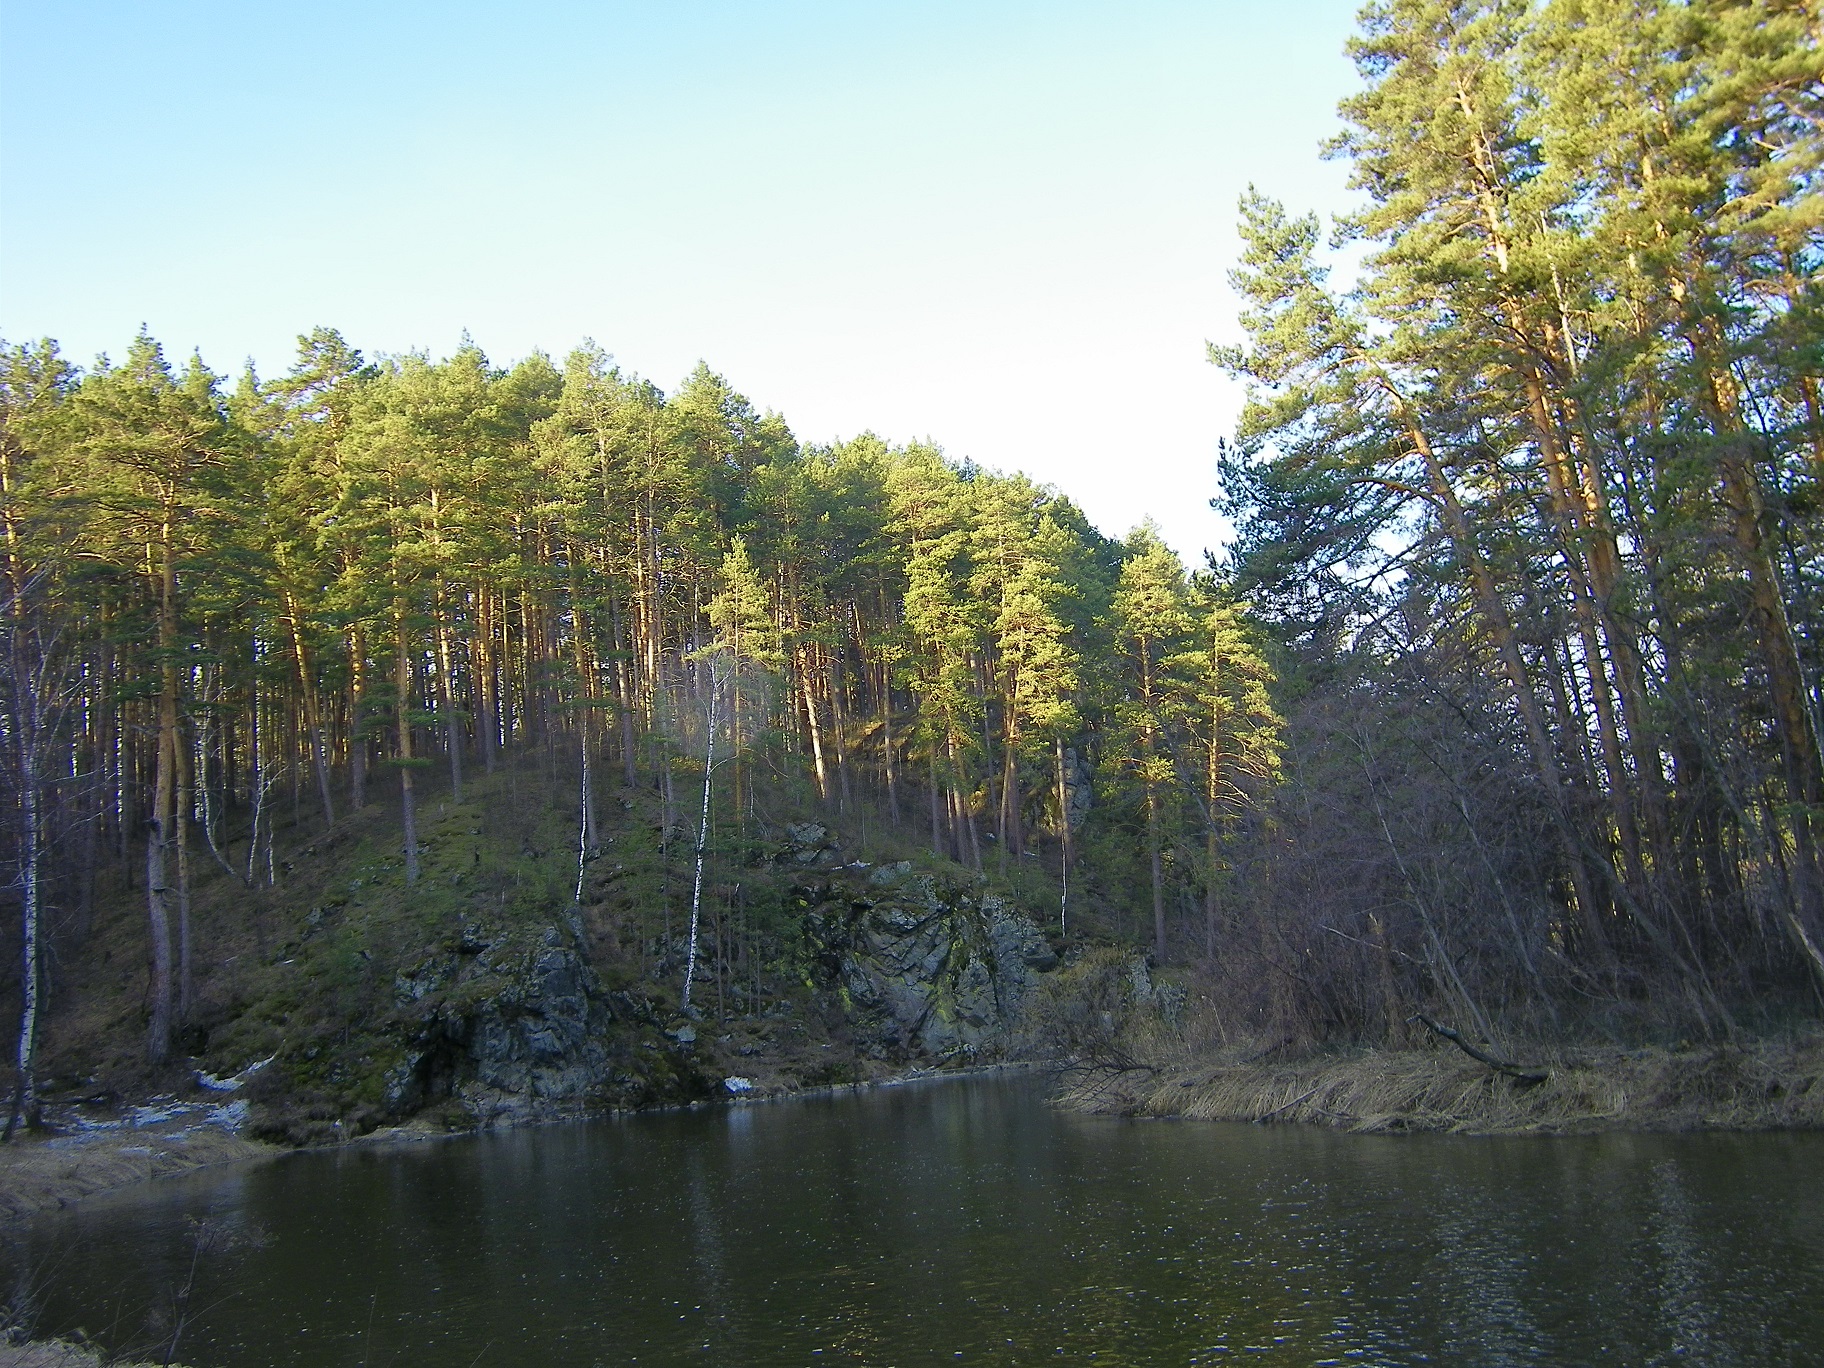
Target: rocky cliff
point(924, 970)
point(894, 968)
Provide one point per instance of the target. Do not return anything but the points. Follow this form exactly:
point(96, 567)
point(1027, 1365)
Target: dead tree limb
point(1287, 1106)
point(1519, 1072)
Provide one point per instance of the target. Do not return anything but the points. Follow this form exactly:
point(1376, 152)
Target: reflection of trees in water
point(1684, 1272)
point(1487, 1270)
point(902, 1225)
point(722, 1331)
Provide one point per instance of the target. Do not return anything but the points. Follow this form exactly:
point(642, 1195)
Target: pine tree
point(149, 449)
point(1152, 617)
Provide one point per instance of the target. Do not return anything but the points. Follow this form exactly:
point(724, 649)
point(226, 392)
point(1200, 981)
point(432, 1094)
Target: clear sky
point(1003, 225)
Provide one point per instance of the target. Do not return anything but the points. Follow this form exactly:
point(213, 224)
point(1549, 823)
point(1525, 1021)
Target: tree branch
point(1519, 1072)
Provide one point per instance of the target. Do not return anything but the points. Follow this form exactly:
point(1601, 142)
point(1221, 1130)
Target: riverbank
point(39, 1173)
point(44, 1171)
point(1757, 1086)
point(1763, 1085)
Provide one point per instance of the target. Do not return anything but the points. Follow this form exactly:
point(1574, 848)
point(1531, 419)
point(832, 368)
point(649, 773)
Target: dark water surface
point(963, 1220)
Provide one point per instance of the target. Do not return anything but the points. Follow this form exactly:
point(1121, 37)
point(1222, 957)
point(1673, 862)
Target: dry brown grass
point(1765, 1085)
point(36, 1174)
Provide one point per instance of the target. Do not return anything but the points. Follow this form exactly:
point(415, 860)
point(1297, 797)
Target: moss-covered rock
point(923, 966)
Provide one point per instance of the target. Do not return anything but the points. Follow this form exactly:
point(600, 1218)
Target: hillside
point(485, 992)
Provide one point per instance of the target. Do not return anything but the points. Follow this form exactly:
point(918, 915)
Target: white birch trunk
point(696, 890)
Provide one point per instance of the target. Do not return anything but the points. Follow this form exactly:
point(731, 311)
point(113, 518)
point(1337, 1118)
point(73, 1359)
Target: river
point(960, 1220)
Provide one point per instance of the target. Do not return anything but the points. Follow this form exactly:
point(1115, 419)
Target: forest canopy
point(1545, 484)
point(365, 569)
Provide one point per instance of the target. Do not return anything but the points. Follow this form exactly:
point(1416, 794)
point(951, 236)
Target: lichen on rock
point(925, 968)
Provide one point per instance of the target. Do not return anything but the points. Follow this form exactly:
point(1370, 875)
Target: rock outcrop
point(510, 1032)
point(508, 1019)
point(922, 968)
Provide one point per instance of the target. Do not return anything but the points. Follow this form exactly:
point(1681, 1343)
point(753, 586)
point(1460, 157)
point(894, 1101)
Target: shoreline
point(59, 1169)
point(1758, 1086)
point(1762, 1085)
point(44, 1174)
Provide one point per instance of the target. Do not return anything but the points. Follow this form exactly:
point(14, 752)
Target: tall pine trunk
point(809, 695)
point(402, 713)
point(313, 713)
point(696, 886)
point(164, 803)
point(1499, 622)
point(886, 746)
point(585, 699)
point(1148, 751)
point(181, 813)
point(1212, 797)
point(1064, 851)
point(446, 692)
point(25, 1092)
point(29, 722)
point(937, 832)
point(487, 710)
point(358, 739)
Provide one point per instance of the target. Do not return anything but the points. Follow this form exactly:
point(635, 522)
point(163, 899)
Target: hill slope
point(488, 991)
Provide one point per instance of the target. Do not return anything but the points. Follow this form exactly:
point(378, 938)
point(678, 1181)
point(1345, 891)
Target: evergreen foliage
point(396, 571)
point(1533, 507)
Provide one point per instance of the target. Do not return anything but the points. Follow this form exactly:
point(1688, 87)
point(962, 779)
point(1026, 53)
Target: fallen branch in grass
point(1286, 1106)
point(1519, 1072)
point(1113, 1064)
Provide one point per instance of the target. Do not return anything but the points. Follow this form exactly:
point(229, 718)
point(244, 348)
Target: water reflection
point(965, 1219)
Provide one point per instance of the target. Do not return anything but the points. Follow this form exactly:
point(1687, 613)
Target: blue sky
point(1002, 226)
